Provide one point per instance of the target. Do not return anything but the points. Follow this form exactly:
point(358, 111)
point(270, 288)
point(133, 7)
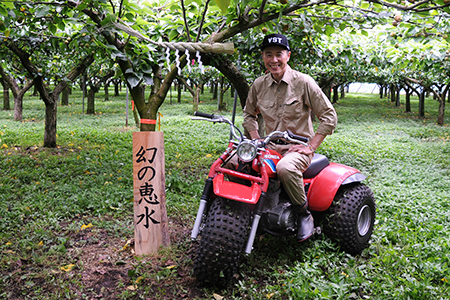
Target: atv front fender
point(325, 185)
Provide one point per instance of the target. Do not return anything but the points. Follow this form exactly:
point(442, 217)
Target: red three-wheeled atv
point(232, 214)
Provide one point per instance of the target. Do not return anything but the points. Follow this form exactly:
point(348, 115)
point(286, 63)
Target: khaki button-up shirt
point(287, 105)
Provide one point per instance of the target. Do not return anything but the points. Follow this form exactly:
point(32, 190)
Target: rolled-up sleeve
point(328, 122)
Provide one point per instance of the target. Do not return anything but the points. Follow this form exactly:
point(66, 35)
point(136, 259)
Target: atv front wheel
point(222, 242)
point(351, 218)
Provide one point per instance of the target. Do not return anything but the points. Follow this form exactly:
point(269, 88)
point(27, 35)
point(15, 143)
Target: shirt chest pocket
point(293, 108)
point(268, 110)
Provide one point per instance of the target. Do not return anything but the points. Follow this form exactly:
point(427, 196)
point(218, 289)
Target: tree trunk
point(116, 88)
point(326, 84)
point(179, 90)
point(221, 104)
point(408, 101)
point(65, 96)
point(327, 91)
point(216, 88)
point(397, 98)
point(441, 110)
point(6, 104)
point(18, 109)
point(422, 104)
point(91, 101)
point(35, 92)
point(393, 90)
point(335, 94)
point(343, 91)
point(50, 124)
point(196, 98)
point(107, 91)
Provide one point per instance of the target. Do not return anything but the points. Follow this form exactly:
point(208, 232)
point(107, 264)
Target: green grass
point(46, 195)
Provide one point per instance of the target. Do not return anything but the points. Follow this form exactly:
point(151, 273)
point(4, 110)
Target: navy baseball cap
point(275, 39)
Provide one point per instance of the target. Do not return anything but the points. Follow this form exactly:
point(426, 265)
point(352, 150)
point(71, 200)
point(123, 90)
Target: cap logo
point(275, 40)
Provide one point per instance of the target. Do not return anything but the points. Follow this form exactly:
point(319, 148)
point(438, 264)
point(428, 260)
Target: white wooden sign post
point(150, 215)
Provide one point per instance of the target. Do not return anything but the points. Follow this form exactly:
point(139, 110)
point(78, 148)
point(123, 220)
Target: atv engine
point(281, 217)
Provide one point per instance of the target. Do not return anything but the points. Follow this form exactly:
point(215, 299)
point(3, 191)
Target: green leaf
point(3, 11)
point(173, 34)
point(223, 5)
point(317, 27)
point(8, 4)
point(133, 80)
point(365, 5)
point(329, 30)
point(118, 55)
point(61, 24)
point(42, 11)
point(112, 47)
point(129, 16)
point(140, 21)
point(109, 19)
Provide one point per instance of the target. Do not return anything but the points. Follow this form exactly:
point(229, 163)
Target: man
point(285, 99)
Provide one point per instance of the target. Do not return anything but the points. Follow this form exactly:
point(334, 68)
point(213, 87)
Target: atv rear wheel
point(222, 242)
point(351, 218)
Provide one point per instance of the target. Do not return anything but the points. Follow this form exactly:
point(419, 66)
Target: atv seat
point(318, 163)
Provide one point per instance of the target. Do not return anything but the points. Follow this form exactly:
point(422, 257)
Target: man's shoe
point(305, 222)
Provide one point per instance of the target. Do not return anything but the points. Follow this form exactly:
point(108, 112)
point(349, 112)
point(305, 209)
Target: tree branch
point(200, 28)
point(261, 9)
point(186, 25)
point(414, 7)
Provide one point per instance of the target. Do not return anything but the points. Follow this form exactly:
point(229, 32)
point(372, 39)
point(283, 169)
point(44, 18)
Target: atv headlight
point(246, 151)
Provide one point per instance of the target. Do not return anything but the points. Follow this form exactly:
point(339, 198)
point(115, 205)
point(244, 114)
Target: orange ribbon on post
point(148, 121)
point(153, 122)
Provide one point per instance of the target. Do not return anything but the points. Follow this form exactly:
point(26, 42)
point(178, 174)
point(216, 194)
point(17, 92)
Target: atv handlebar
point(220, 119)
point(287, 135)
point(297, 137)
point(204, 115)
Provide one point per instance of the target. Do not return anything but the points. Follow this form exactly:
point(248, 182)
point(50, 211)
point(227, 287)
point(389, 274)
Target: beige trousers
point(290, 172)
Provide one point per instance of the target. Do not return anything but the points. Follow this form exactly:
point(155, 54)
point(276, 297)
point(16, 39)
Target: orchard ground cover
point(66, 214)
